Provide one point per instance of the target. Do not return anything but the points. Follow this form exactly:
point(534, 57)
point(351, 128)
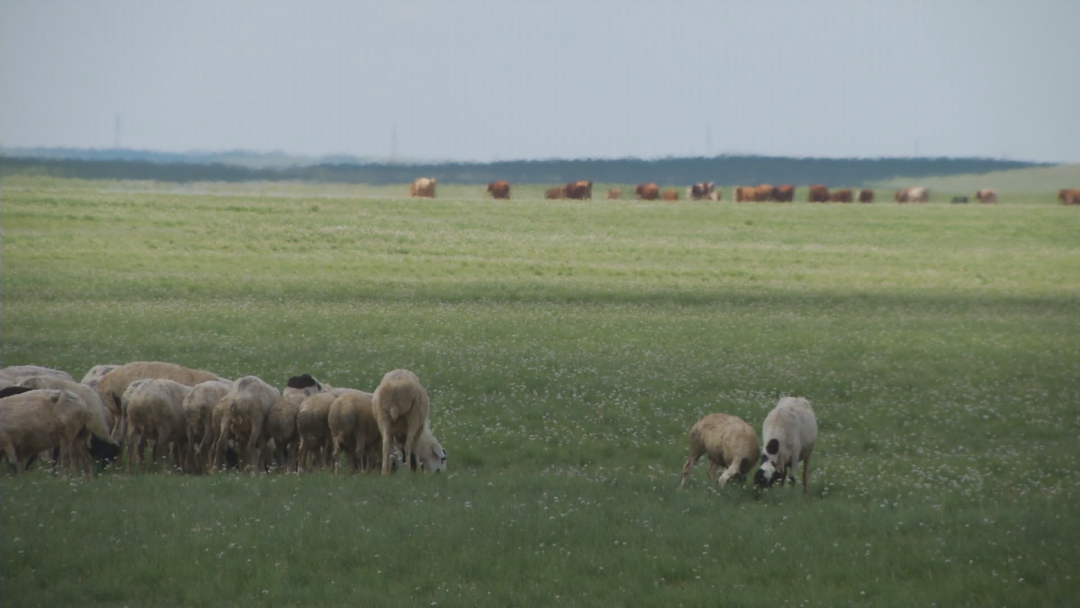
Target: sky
point(475, 80)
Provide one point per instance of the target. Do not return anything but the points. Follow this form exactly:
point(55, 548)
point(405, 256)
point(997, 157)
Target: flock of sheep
point(201, 419)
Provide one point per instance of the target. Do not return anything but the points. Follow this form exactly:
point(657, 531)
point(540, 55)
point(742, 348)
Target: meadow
point(567, 347)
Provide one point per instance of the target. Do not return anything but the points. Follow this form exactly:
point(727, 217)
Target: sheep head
point(771, 468)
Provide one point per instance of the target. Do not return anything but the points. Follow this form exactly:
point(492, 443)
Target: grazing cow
point(1069, 196)
point(763, 193)
point(647, 192)
point(499, 189)
point(959, 199)
point(987, 196)
point(614, 194)
point(670, 195)
point(555, 193)
point(784, 193)
point(701, 191)
point(840, 196)
point(743, 194)
point(912, 195)
point(866, 195)
point(579, 190)
point(817, 193)
point(423, 187)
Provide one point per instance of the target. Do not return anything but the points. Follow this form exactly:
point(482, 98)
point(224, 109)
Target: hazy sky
point(487, 80)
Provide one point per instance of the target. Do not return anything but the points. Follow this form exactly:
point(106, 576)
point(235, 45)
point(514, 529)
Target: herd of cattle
point(424, 187)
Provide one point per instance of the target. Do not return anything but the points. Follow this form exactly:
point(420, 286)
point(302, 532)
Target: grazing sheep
point(112, 385)
point(313, 426)
point(428, 450)
point(15, 374)
point(729, 441)
point(96, 373)
point(353, 429)
point(249, 401)
point(198, 410)
point(40, 420)
point(103, 449)
point(155, 411)
point(281, 426)
point(400, 396)
point(789, 432)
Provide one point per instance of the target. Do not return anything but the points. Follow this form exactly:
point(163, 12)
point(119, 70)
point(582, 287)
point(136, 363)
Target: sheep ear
point(773, 446)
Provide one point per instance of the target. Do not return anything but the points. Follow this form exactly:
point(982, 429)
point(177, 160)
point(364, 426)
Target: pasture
point(567, 347)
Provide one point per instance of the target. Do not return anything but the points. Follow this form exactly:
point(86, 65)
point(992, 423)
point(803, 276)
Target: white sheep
point(15, 374)
point(198, 409)
point(43, 419)
point(244, 421)
point(427, 450)
point(96, 373)
point(112, 385)
point(729, 441)
point(354, 430)
point(789, 432)
point(400, 396)
point(155, 411)
point(313, 426)
point(281, 426)
point(102, 446)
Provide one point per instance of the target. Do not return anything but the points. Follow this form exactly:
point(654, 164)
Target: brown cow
point(987, 196)
point(742, 194)
point(784, 193)
point(1069, 196)
point(423, 187)
point(763, 193)
point(817, 193)
point(840, 196)
point(647, 191)
point(866, 196)
point(670, 195)
point(499, 189)
point(701, 191)
point(555, 193)
point(614, 194)
point(579, 190)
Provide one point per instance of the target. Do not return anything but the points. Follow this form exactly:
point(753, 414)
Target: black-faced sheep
point(198, 410)
point(249, 401)
point(112, 385)
point(303, 384)
point(40, 420)
point(729, 441)
point(103, 449)
point(789, 432)
point(400, 396)
point(155, 411)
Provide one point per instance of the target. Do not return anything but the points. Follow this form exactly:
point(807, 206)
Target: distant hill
point(249, 166)
point(1025, 180)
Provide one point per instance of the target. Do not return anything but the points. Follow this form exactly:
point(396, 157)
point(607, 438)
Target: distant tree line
point(852, 172)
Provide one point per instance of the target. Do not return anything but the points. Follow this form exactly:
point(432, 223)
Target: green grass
point(567, 347)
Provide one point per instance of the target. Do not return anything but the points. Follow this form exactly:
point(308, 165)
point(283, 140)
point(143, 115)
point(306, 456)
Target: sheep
point(729, 441)
point(96, 373)
point(155, 410)
point(103, 448)
point(15, 374)
point(244, 420)
point(305, 385)
point(789, 432)
point(400, 396)
point(353, 428)
point(312, 424)
point(198, 409)
point(40, 420)
point(112, 385)
point(281, 427)
point(428, 450)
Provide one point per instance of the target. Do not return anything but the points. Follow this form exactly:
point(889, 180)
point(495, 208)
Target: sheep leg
point(731, 471)
point(387, 444)
point(301, 458)
point(410, 448)
point(337, 455)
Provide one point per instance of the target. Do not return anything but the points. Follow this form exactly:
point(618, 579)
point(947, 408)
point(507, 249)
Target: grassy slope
point(567, 347)
point(1040, 180)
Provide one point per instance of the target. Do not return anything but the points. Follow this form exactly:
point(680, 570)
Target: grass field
point(567, 347)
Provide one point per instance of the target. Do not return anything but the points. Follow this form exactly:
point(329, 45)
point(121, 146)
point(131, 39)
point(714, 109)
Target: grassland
point(567, 346)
